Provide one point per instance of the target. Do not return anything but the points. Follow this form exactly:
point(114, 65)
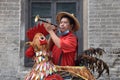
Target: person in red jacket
point(64, 46)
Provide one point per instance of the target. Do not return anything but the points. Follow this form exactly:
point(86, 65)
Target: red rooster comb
point(36, 29)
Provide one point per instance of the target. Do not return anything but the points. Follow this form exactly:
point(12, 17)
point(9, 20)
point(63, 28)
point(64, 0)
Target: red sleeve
point(68, 44)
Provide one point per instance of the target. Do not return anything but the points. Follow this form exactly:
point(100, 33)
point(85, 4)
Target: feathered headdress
point(39, 28)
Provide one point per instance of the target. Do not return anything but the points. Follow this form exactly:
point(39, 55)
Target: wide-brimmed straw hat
point(61, 14)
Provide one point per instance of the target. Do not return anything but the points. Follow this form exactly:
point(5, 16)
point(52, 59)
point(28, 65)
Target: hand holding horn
point(37, 18)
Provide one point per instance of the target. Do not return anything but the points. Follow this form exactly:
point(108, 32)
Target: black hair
point(72, 22)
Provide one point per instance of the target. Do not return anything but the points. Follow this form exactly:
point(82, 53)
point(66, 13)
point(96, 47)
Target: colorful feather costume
point(43, 68)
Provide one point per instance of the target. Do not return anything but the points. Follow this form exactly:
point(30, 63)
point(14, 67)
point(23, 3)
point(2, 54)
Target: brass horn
point(37, 18)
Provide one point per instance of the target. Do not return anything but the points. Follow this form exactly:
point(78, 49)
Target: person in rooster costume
point(63, 47)
point(64, 50)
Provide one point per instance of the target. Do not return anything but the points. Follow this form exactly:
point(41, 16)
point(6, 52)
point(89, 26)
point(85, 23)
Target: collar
point(64, 33)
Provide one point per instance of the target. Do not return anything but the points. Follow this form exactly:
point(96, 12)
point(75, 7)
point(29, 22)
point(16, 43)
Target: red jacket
point(68, 49)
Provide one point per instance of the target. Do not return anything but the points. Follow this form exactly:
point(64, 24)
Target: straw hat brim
point(77, 24)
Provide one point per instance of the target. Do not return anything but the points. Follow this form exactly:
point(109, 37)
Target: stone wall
point(9, 39)
point(104, 32)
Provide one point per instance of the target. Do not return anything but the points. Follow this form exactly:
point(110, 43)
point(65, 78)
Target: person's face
point(64, 24)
